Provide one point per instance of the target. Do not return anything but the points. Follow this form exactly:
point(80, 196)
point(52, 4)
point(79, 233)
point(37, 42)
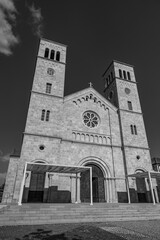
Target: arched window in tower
point(48, 87)
point(106, 84)
point(135, 130)
point(120, 73)
point(128, 75)
point(46, 54)
point(132, 130)
point(124, 74)
point(52, 54)
point(109, 79)
point(47, 115)
point(58, 56)
point(111, 75)
point(43, 115)
point(130, 105)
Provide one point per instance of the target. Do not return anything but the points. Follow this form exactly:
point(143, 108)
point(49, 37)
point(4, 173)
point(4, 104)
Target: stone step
point(16, 208)
point(41, 216)
point(78, 212)
point(69, 220)
point(73, 216)
point(67, 213)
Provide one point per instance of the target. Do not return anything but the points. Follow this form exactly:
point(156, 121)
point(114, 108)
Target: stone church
point(67, 136)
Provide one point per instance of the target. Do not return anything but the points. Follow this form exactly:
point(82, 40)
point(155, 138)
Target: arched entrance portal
point(36, 188)
point(141, 188)
point(97, 185)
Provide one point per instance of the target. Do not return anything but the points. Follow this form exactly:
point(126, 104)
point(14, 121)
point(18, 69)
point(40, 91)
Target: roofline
point(123, 63)
point(79, 91)
point(116, 61)
point(93, 89)
point(15, 155)
point(53, 42)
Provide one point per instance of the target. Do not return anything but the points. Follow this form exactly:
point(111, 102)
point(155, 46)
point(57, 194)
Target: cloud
point(36, 20)
point(2, 178)
point(5, 158)
point(7, 21)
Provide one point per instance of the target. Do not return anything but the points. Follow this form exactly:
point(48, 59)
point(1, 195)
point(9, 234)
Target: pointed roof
point(90, 92)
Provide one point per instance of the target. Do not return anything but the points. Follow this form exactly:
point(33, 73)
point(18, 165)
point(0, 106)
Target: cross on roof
point(90, 84)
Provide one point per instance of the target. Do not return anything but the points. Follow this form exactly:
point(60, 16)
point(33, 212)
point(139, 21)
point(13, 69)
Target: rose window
point(90, 119)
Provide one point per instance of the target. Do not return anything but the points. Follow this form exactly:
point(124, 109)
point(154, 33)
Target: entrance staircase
point(34, 214)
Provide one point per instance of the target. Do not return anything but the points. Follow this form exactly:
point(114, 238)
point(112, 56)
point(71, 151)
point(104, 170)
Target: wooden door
point(36, 187)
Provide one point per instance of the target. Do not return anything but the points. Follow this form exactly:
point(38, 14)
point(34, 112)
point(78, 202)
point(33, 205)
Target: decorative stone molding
point(91, 137)
point(90, 97)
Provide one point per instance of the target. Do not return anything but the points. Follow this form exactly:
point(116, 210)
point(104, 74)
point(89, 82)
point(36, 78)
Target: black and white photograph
point(80, 119)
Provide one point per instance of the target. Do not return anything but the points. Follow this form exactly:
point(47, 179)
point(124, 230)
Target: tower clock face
point(127, 90)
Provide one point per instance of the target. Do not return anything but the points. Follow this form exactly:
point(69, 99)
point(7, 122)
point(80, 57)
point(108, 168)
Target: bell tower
point(121, 90)
point(50, 68)
point(47, 90)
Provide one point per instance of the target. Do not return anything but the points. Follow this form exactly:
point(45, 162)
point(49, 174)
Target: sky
point(96, 32)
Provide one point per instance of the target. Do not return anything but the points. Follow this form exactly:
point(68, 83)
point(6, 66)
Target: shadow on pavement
point(79, 233)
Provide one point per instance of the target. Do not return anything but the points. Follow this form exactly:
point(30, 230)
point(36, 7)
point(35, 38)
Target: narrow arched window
point(135, 130)
point(46, 54)
point(52, 54)
point(124, 74)
point(128, 75)
point(112, 75)
point(106, 84)
point(130, 105)
point(132, 130)
point(120, 73)
point(47, 115)
point(43, 115)
point(58, 56)
point(48, 87)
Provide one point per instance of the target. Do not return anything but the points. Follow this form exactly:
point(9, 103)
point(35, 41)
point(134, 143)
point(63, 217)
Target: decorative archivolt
point(90, 97)
point(91, 137)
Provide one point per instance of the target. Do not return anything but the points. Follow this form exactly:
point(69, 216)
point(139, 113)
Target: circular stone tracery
point(90, 119)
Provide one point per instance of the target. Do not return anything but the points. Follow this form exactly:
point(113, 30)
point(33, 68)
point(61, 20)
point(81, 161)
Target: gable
point(90, 95)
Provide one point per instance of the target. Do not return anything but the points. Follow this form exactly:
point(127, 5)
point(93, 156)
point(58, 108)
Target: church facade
point(83, 129)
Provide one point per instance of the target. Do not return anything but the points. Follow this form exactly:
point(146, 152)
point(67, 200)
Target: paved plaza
point(130, 230)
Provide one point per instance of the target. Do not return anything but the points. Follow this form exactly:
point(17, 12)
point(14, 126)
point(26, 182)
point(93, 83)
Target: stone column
point(72, 182)
point(106, 188)
point(78, 188)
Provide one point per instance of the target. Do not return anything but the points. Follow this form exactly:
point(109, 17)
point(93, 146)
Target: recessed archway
point(36, 185)
point(141, 188)
point(103, 185)
point(97, 185)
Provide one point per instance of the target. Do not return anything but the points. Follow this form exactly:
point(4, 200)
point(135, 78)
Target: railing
point(91, 137)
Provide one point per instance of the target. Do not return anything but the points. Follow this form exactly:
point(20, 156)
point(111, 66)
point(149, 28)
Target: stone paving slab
point(136, 230)
point(125, 233)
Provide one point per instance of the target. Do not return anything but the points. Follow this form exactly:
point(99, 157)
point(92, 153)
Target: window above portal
point(91, 119)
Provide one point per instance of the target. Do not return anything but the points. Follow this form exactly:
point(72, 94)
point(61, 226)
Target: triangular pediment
point(89, 94)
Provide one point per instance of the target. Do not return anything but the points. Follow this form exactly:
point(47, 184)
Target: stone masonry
point(65, 139)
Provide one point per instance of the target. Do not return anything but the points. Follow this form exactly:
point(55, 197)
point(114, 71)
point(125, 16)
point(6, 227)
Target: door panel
point(36, 187)
point(97, 185)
